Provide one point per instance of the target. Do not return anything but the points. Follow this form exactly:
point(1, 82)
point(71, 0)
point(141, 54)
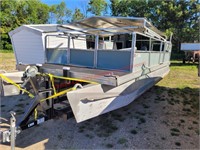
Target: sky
point(71, 4)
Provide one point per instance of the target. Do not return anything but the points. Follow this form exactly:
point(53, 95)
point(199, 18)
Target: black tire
point(183, 60)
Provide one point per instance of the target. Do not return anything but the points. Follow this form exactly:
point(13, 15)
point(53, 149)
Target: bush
point(8, 46)
point(177, 56)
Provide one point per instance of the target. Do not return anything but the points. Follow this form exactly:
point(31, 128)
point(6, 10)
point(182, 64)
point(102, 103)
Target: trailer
point(119, 59)
point(192, 52)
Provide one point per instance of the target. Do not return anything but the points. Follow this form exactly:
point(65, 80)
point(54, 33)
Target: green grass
point(6, 51)
point(181, 76)
point(7, 60)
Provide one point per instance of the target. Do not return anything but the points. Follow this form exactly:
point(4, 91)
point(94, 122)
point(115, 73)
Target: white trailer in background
point(192, 52)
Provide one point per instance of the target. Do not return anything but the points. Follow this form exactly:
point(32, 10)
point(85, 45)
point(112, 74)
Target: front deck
point(106, 77)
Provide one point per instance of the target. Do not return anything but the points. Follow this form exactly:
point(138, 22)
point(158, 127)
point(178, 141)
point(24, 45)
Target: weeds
point(141, 120)
point(175, 130)
point(140, 113)
point(105, 128)
point(89, 136)
point(60, 137)
point(163, 138)
point(145, 106)
point(177, 143)
point(194, 122)
point(174, 134)
point(182, 121)
point(109, 145)
point(133, 131)
point(122, 141)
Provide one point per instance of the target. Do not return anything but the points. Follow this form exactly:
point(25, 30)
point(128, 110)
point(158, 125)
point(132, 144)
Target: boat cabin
point(119, 44)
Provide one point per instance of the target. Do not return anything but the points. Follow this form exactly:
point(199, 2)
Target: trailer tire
point(183, 60)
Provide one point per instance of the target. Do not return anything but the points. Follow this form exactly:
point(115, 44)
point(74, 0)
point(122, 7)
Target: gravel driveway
point(162, 118)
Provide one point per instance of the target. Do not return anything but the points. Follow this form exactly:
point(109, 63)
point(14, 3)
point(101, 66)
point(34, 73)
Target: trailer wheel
point(183, 60)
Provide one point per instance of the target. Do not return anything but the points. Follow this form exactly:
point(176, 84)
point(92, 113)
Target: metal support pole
point(150, 49)
point(39, 66)
point(95, 51)
point(68, 50)
point(66, 71)
point(161, 45)
point(133, 49)
point(12, 130)
point(165, 48)
point(199, 67)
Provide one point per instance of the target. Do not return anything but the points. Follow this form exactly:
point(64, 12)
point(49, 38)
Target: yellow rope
point(52, 82)
point(53, 86)
point(54, 89)
point(35, 114)
point(57, 94)
point(15, 84)
point(65, 91)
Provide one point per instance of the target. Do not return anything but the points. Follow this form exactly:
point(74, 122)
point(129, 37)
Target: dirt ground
point(159, 119)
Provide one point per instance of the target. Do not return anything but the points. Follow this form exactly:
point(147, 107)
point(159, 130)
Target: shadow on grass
point(179, 63)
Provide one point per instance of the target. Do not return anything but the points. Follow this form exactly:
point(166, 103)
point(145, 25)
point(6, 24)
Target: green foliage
point(77, 15)
point(59, 13)
point(97, 7)
point(15, 13)
point(179, 17)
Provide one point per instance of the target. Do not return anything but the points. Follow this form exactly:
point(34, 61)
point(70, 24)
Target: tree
point(59, 13)
point(129, 8)
point(77, 15)
point(97, 7)
point(17, 12)
point(84, 8)
point(179, 17)
point(114, 7)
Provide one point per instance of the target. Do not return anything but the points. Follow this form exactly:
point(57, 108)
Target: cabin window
point(107, 38)
point(56, 42)
point(115, 42)
point(112, 38)
point(156, 45)
point(56, 46)
point(105, 43)
point(90, 41)
point(142, 43)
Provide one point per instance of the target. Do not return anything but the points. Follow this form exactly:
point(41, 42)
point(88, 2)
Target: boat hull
point(94, 100)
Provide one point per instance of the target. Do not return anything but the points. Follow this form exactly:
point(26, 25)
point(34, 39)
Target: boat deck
point(107, 77)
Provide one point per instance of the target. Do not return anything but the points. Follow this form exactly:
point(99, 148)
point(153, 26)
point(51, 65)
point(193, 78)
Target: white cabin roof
point(41, 28)
point(98, 25)
point(116, 24)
